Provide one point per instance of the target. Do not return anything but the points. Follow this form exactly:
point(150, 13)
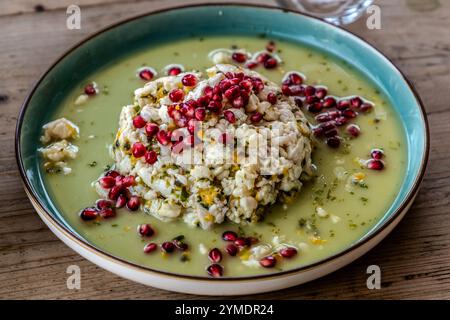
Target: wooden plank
point(414, 259)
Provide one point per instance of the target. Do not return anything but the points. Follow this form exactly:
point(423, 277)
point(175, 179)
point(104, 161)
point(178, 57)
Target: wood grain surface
point(414, 259)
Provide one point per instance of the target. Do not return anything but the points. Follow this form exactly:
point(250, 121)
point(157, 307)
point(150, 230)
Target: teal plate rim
point(372, 233)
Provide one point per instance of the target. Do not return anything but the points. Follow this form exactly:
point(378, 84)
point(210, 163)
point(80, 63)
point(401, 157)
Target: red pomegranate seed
point(189, 80)
point(256, 117)
point(215, 270)
point(138, 149)
point(139, 122)
point(239, 57)
point(355, 102)
point(163, 137)
point(288, 252)
point(317, 131)
point(231, 249)
point(114, 192)
point(208, 91)
point(215, 255)
point(151, 157)
point(349, 113)
point(168, 246)
point(176, 95)
point(146, 74)
point(252, 240)
point(329, 102)
point(229, 236)
point(174, 71)
point(327, 126)
point(90, 89)
point(102, 204)
point(311, 99)
point(333, 142)
point(310, 91)
point(353, 130)
point(232, 92)
point(343, 104)
point(315, 107)
point(112, 173)
point(366, 107)
point(121, 201)
point(268, 262)
point(191, 125)
point(251, 65)
point(128, 181)
point(375, 164)
point(272, 98)
point(133, 203)
point(215, 106)
point(340, 121)
point(88, 214)
point(107, 213)
point(238, 103)
point(323, 117)
point(229, 115)
point(241, 242)
point(180, 245)
point(246, 85)
point(331, 133)
point(258, 86)
point(270, 63)
point(321, 93)
point(200, 114)
point(151, 129)
point(263, 57)
point(150, 247)
point(376, 153)
point(107, 182)
point(145, 230)
point(270, 46)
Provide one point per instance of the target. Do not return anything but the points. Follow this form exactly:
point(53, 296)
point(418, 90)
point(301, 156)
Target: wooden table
point(414, 259)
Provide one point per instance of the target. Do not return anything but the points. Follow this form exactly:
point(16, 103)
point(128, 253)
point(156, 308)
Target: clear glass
point(335, 11)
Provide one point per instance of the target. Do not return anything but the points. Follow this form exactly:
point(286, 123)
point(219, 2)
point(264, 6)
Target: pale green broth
point(359, 211)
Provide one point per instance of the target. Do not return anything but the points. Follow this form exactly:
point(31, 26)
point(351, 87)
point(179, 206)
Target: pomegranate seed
point(139, 122)
point(310, 91)
point(151, 157)
point(145, 230)
point(138, 149)
point(246, 85)
point(268, 262)
point(377, 154)
point(162, 137)
point(200, 114)
point(295, 78)
point(121, 201)
point(327, 125)
point(375, 164)
point(229, 115)
point(114, 192)
point(229, 236)
point(298, 102)
point(321, 93)
point(189, 80)
point(315, 107)
point(251, 65)
point(343, 104)
point(176, 95)
point(112, 173)
point(270, 63)
point(238, 103)
point(133, 203)
point(270, 46)
point(215, 270)
point(340, 121)
point(232, 92)
point(239, 57)
point(272, 98)
point(90, 89)
point(174, 71)
point(256, 117)
point(168, 246)
point(263, 57)
point(208, 91)
point(128, 181)
point(333, 142)
point(150, 247)
point(323, 117)
point(107, 213)
point(355, 102)
point(366, 107)
point(102, 204)
point(317, 131)
point(349, 113)
point(258, 86)
point(88, 214)
point(215, 106)
point(329, 102)
point(215, 255)
point(331, 133)
point(107, 182)
point(241, 242)
point(231, 249)
point(191, 125)
point(311, 99)
point(151, 129)
point(353, 130)
point(146, 74)
point(288, 252)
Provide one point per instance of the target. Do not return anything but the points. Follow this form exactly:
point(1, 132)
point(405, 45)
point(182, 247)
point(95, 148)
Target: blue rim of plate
point(379, 228)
